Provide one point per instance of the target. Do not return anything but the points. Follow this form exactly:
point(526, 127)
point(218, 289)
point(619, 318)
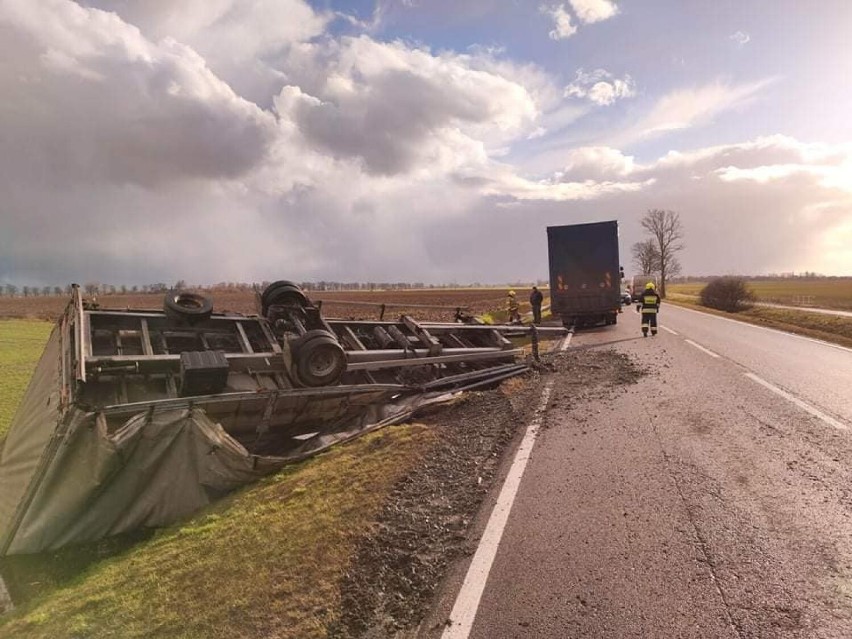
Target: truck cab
point(639, 283)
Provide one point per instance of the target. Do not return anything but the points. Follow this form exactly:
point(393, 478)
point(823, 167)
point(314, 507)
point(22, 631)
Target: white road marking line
point(467, 602)
point(701, 348)
point(798, 402)
point(668, 330)
point(771, 330)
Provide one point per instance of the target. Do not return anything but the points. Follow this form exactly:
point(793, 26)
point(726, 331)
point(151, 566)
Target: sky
point(427, 141)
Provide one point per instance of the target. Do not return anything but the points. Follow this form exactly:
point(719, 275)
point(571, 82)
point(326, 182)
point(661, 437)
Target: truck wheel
point(273, 286)
point(282, 292)
point(187, 307)
point(297, 343)
point(319, 360)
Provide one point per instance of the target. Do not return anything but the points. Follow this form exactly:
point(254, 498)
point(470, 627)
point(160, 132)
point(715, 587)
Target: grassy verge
point(21, 345)
point(264, 562)
point(829, 328)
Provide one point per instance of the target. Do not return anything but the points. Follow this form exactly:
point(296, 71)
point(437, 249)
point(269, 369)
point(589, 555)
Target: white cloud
point(826, 175)
point(520, 189)
point(395, 108)
point(114, 106)
point(564, 28)
point(220, 29)
point(792, 195)
point(795, 198)
point(589, 11)
point(598, 163)
point(686, 108)
point(601, 87)
point(740, 37)
point(798, 220)
point(503, 182)
point(243, 42)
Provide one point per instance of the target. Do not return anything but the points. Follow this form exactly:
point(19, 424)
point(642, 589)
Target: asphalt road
point(711, 499)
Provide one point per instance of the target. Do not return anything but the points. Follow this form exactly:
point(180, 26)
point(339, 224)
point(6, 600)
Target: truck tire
point(319, 359)
point(275, 285)
point(282, 292)
point(187, 307)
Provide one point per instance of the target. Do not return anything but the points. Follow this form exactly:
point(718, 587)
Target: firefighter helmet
point(511, 293)
point(650, 286)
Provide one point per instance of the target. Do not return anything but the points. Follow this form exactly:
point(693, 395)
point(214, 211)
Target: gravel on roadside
point(424, 525)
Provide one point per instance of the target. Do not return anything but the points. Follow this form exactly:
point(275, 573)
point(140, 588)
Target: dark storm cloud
point(92, 100)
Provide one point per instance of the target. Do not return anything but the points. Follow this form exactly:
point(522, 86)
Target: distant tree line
point(805, 275)
point(96, 288)
point(645, 258)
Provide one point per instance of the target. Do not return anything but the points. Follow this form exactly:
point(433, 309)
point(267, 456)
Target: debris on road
point(424, 527)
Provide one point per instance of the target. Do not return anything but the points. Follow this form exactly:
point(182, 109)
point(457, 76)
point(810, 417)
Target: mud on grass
point(423, 527)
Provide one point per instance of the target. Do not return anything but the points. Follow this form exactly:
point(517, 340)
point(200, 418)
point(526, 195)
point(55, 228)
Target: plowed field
point(476, 300)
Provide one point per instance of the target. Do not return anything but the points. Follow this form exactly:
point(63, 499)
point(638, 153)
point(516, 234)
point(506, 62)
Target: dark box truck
point(585, 276)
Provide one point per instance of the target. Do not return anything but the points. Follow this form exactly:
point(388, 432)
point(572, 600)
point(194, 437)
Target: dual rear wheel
point(282, 292)
point(318, 358)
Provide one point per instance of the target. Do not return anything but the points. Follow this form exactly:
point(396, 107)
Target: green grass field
point(826, 293)
point(21, 344)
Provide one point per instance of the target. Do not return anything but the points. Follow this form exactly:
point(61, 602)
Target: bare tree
point(646, 257)
point(667, 233)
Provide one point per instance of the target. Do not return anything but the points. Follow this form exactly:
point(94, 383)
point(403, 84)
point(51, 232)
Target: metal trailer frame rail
point(245, 369)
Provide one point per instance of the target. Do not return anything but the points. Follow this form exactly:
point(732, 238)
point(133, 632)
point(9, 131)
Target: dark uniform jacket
point(536, 298)
point(649, 302)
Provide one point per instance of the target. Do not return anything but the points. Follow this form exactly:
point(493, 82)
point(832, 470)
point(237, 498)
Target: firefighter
point(536, 298)
point(649, 306)
point(514, 309)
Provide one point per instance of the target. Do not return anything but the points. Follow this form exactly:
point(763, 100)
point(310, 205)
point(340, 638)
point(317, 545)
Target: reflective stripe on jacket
point(650, 302)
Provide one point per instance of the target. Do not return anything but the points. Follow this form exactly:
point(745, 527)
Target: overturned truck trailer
point(137, 418)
